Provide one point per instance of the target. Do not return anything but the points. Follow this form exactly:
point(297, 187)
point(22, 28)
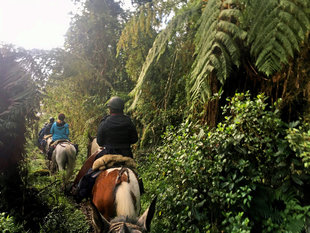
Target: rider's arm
point(67, 130)
point(133, 134)
point(52, 129)
point(100, 132)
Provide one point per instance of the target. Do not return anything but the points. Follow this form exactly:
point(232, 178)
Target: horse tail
point(70, 156)
point(127, 196)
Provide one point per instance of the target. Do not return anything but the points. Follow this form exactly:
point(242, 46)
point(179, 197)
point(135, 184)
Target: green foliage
point(8, 225)
point(136, 39)
point(236, 223)
point(65, 219)
point(216, 46)
point(276, 30)
point(18, 95)
point(62, 215)
point(278, 210)
point(92, 42)
point(240, 176)
point(161, 44)
point(299, 139)
point(228, 34)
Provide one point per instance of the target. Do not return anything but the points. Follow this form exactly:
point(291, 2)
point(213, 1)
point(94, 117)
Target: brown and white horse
point(123, 224)
point(116, 190)
point(116, 193)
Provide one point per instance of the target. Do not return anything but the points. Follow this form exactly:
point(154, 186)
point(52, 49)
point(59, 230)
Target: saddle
point(86, 177)
point(53, 145)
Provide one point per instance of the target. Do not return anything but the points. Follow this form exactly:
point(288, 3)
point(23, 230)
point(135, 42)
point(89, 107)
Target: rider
point(41, 134)
point(116, 132)
point(59, 130)
point(45, 131)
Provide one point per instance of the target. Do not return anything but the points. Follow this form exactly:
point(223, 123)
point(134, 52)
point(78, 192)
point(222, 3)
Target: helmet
point(116, 103)
point(52, 119)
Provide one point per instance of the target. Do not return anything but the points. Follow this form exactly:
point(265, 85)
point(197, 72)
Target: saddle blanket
point(111, 160)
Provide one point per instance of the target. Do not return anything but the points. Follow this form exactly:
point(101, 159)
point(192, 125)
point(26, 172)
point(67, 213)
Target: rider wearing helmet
point(116, 131)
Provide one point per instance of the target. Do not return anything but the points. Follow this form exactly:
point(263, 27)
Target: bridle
point(115, 227)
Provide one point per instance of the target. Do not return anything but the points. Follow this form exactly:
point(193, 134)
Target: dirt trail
point(85, 208)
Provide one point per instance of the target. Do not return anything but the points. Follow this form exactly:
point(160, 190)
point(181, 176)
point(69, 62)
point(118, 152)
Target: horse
point(93, 146)
point(124, 223)
point(116, 190)
point(64, 156)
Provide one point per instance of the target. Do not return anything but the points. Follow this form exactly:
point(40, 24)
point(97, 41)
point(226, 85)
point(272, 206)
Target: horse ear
point(102, 224)
point(89, 136)
point(146, 217)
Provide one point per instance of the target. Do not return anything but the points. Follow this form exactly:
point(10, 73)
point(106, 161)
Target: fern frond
point(160, 45)
point(276, 31)
point(229, 44)
point(298, 12)
point(257, 11)
point(216, 37)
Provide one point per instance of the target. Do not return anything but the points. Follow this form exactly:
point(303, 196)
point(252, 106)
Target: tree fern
point(160, 45)
point(270, 31)
point(136, 39)
point(276, 29)
point(216, 47)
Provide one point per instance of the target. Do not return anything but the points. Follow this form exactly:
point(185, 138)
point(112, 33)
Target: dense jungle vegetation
point(219, 91)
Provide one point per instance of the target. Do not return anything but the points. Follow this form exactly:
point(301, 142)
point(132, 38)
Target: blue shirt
point(60, 131)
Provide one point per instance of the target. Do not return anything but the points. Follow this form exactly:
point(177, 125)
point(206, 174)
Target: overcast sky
point(31, 24)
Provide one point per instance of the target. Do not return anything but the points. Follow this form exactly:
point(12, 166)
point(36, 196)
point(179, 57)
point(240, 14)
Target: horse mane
point(125, 219)
point(133, 223)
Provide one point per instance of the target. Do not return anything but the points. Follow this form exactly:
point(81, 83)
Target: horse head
point(92, 146)
point(123, 224)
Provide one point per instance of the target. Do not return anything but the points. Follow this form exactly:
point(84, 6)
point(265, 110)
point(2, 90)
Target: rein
point(121, 172)
point(117, 226)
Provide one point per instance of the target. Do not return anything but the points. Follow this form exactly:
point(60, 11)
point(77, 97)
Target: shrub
point(65, 219)
point(8, 225)
point(211, 180)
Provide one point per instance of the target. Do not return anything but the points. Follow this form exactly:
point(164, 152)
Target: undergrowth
point(248, 174)
point(39, 204)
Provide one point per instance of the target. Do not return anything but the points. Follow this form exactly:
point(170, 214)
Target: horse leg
point(70, 161)
point(60, 160)
point(53, 163)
